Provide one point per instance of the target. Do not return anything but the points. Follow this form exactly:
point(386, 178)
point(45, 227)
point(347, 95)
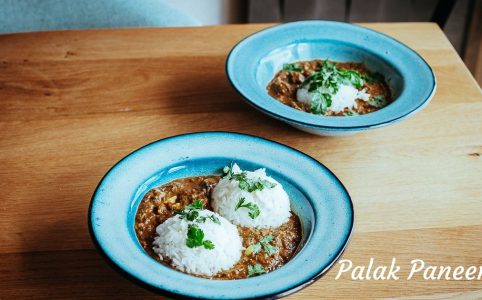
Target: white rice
point(171, 243)
point(344, 98)
point(273, 203)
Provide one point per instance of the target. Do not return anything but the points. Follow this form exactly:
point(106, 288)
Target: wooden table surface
point(74, 103)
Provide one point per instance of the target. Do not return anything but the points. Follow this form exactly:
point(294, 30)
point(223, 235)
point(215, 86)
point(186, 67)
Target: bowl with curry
point(330, 78)
point(220, 215)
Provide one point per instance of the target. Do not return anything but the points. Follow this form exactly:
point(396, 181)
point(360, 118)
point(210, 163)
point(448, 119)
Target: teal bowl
point(317, 197)
point(254, 61)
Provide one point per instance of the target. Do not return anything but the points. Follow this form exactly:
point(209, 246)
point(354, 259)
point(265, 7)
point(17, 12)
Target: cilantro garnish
point(228, 171)
point(255, 270)
point(211, 217)
point(321, 102)
point(350, 113)
point(195, 238)
point(378, 101)
point(191, 211)
point(326, 82)
point(252, 207)
point(269, 249)
point(254, 248)
point(294, 67)
point(264, 243)
point(208, 244)
point(196, 204)
point(245, 183)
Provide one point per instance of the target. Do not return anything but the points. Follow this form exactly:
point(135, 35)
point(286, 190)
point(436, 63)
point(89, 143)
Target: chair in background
point(41, 15)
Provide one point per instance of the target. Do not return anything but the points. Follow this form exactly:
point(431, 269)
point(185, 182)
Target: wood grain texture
point(74, 103)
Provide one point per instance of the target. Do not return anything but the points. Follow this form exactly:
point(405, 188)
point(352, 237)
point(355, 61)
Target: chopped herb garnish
point(269, 249)
point(228, 171)
point(378, 101)
point(326, 82)
point(245, 183)
point(321, 102)
point(191, 215)
point(196, 204)
point(292, 67)
point(351, 76)
point(350, 113)
point(195, 238)
point(255, 248)
point(252, 207)
point(255, 270)
point(191, 211)
point(264, 243)
point(208, 245)
point(211, 217)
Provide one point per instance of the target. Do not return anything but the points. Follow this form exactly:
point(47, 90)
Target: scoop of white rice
point(171, 243)
point(273, 202)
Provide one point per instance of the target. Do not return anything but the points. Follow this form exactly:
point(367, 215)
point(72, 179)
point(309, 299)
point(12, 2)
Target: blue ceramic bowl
point(254, 61)
point(317, 197)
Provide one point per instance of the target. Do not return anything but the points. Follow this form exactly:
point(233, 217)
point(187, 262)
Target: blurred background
point(461, 20)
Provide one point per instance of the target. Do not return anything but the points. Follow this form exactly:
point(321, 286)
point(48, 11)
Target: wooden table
point(74, 103)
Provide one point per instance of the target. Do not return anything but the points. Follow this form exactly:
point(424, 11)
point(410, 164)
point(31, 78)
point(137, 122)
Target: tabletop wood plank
point(46, 84)
point(73, 103)
point(83, 274)
point(447, 164)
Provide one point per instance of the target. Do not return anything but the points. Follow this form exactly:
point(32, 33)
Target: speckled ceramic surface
point(317, 196)
point(255, 60)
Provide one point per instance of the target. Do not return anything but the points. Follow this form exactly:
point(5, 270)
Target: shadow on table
point(204, 92)
point(65, 274)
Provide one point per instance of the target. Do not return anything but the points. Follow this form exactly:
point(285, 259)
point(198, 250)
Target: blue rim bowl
point(254, 61)
point(317, 197)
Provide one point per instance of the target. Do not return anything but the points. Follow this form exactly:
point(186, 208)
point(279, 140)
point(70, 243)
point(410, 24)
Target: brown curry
point(160, 203)
point(283, 87)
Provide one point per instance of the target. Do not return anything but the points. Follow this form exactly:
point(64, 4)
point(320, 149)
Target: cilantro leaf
point(266, 239)
point(228, 171)
point(213, 218)
point(208, 244)
point(351, 77)
point(252, 207)
point(325, 83)
point(255, 270)
point(196, 204)
point(292, 67)
point(245, 183)
point(191, 211)
point(378, 101)
point(264, 243)
point(255, 248)
point(350, 113)
point(195, 238)
point(192, 215)
point(267, 247)
point(321, 102)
